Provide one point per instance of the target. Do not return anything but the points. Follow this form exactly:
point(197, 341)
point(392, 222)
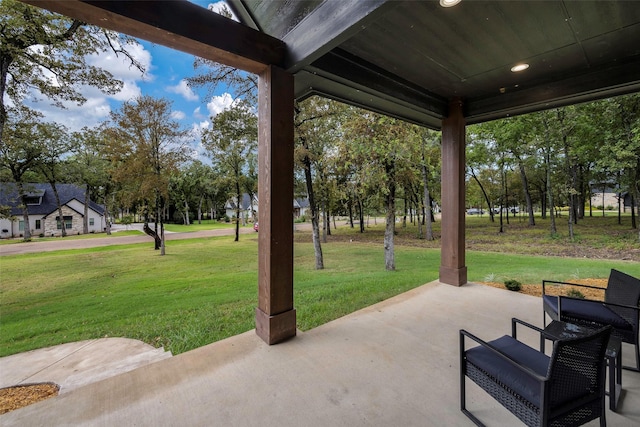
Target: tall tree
point(229, 144)
point(379, 145)
point(430, 152)
point(147, 146)
point(317, 127)
point(44, 54)
point(57, 144)
point(480, 154)
point(621, 152)
point(21, 151)
point(90, 168)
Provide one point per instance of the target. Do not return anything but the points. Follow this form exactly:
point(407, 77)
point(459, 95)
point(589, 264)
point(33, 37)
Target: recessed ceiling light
point(519, 67)
point(449, 3)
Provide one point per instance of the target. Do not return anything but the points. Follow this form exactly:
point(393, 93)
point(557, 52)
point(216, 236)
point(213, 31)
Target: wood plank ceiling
point(409, 58)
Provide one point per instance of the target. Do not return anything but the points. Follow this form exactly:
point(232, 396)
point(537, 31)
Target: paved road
point(114, 239)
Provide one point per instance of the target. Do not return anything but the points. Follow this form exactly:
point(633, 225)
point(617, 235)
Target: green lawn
point(205, 225)
point(204, 290)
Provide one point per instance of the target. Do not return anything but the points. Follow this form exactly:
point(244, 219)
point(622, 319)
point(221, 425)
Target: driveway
point(114, 239)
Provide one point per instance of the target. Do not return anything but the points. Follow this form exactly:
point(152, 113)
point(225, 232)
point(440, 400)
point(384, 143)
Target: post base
point(275, 329)
point(453, 276)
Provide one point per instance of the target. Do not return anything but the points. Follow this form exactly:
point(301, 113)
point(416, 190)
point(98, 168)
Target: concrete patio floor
point(391, 364)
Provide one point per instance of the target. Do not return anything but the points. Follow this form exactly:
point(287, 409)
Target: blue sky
point(166, 70)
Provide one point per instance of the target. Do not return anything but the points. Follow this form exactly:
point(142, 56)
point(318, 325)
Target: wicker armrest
point(525, 369)
point(542, 332)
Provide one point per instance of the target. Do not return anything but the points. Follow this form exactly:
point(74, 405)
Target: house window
point(68, 222)
point(21, 225)
point(38, 224)
point(91, 221)
point(33, 200)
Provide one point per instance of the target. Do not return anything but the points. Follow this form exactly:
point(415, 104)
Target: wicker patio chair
point(564, 389)
point(620, 309)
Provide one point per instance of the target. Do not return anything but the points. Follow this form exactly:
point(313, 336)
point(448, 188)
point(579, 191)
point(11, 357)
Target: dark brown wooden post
point(275, 315)
point(453, 270)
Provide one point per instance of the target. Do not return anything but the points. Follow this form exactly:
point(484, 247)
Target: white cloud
point(120, 66)
point(183, 89)
point(122, 69)
point(178, 115)
point(217, 7)
point(219, 103)
point(74, 117)
point(197, 114)
point(96, 109)
point(129, 91)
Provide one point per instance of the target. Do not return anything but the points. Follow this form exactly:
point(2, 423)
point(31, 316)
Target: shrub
point(512, 285)
point(574, 293)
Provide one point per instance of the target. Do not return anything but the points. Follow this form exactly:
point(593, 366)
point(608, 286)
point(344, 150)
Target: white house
point(248, 209)
point(44, 219)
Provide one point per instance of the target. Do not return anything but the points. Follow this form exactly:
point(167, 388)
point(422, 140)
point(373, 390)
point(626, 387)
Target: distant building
point(608, 199)
point(44, 219)
point(249, 207)
point(300, 207)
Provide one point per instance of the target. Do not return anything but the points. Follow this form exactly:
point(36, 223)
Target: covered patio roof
point(407, 59)
point(440, 67)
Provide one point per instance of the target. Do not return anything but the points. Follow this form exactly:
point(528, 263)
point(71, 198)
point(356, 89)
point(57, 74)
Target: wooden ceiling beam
point(342, 66)
point(179, 25)
point(328, 26)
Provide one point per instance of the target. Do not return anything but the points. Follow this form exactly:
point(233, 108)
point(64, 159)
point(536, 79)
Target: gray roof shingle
point(67, 192)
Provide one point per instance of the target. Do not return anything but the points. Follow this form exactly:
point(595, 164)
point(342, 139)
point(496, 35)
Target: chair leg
point(603, 406)
point(637, 367)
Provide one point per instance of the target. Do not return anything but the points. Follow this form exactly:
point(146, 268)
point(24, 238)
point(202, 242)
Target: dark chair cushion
point(514, 378)
point(588, 310)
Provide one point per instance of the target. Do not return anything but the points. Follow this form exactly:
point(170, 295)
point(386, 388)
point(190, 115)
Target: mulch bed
point(536, 290)
point(16, 397)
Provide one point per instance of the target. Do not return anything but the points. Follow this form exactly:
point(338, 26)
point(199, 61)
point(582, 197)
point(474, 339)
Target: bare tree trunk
point(186, 213)
point(549, 188)
point(85, 219)
point(238, 201)
point(313, 208)
point(25, 211)
point(156, 230)
point(404, 217)
point(324, 222)
point(527, 193)
point(60, 215)
point(427, 203)
point(484, 193)
point(162, 248)
point(572, 189)
point(389, 231)
point(420, 213)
